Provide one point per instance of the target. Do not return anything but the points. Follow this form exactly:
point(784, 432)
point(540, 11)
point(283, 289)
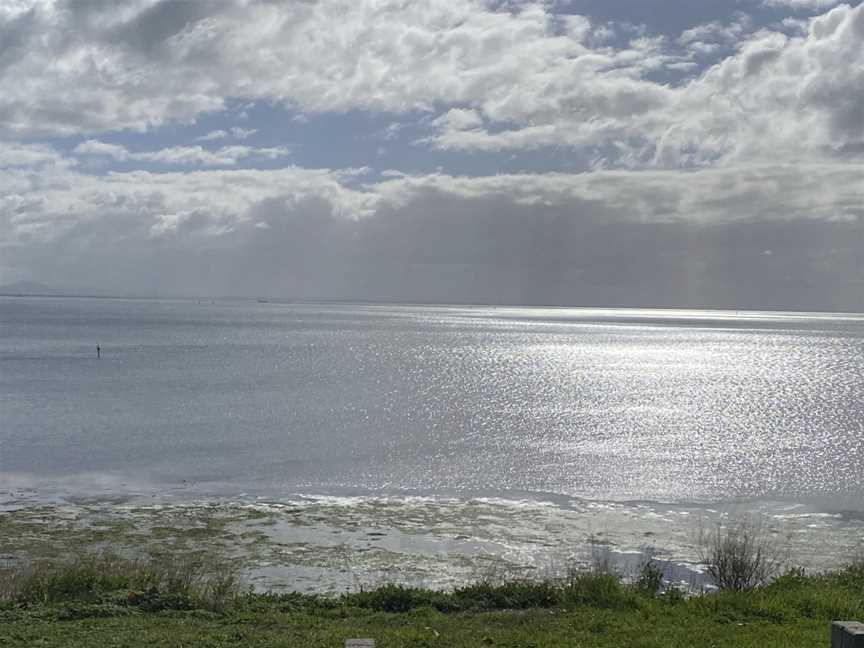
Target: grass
point(108, 601)
point(179, 582)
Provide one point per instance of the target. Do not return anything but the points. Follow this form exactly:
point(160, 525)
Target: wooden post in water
point(847, 634)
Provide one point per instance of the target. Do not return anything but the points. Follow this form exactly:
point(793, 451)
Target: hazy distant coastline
point(36, 289)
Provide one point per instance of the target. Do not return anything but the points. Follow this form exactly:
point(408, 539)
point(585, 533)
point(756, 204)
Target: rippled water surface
point(266, 398)
point(425, 442)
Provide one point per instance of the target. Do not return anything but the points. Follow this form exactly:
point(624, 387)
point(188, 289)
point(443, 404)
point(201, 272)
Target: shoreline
point(744, 311)
point(308, 543)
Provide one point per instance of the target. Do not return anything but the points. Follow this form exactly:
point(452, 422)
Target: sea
point(427, 444)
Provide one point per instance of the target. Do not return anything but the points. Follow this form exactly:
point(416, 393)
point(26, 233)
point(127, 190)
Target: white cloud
point(778, 97)
point(122, 68)
point(182, 155)
point(718, 32)
point(758, 192)
point(796, 97)
point(532, 78)
point(213, 135)
point(194, 155)
point(459, 119)
point(16, 154)
point(807, 5)
point(822, 192)
point(235, 131)
point(243, 133)
point(95, 147)
point(68, 198)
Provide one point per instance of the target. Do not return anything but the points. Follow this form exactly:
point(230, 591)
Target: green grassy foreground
point(113, 602)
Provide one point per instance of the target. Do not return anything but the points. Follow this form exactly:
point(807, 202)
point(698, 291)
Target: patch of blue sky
point(351, 139)
point(670, 19)
point(175, 133)
point(380, 142)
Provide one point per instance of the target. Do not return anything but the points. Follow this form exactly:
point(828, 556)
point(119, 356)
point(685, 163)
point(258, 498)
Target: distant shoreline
point(744, 312)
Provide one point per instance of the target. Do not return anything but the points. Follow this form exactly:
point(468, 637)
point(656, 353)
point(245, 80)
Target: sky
point(645, 153)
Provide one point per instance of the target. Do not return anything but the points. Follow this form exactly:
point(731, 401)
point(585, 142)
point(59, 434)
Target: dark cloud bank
point(446, 249)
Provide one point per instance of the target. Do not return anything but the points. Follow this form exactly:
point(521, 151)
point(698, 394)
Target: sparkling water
point(248, 401)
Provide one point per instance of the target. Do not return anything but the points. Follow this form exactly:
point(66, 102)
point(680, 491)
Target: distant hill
point(34, 288)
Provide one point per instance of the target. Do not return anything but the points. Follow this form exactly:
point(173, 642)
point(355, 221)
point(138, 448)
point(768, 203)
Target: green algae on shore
point(330, 545)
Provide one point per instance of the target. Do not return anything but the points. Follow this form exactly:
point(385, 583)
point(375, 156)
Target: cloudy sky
point(694, 153)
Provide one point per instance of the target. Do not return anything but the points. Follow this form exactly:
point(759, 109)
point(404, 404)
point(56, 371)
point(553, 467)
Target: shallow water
point(567, 409)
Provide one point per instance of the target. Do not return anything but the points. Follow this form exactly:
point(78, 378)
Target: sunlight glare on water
point(279, 398)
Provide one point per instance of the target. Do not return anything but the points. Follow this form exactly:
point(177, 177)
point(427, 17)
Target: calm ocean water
point(238, 399)
point(276, 398)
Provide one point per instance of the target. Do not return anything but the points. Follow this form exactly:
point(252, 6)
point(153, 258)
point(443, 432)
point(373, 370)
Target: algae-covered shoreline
point(313, 571)
point(329, 544)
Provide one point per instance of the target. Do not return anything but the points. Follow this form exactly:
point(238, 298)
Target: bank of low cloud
point(761, 236)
